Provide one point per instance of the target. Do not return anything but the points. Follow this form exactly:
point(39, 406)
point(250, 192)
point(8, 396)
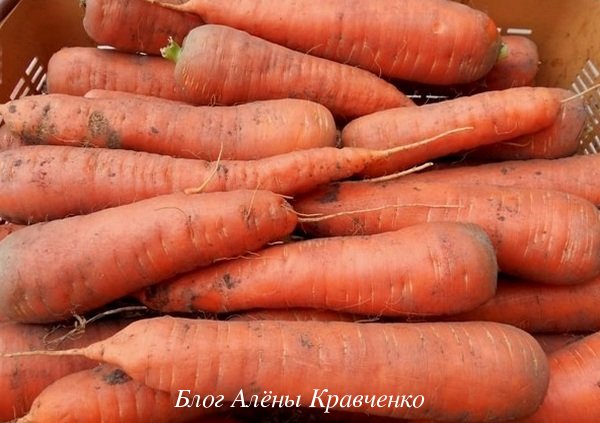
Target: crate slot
point(519, 31)
point(31, 82)
point(31, 66)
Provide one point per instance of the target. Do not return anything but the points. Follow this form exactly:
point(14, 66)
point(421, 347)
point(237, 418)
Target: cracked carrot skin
point(573, 393)
point(107, 394)
point(435, 41)
point(502, 373)
point(541, 235)
point(246, 131)
point(52, 270)
point(135, 25)
point(37, 188)
point(426, 269)
point(77, 70)
point(492, 117)
point(23, 378)
point(244, 68)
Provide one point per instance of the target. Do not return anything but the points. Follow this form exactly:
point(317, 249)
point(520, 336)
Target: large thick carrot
point(540, 308)
point(541, 235)
point(561, 139)
point(576, 175)
point(107, 394)
point(247, 131)
point(52, 270)
point(135, 25)
point(23, 378)
point(502, 371)
point(220, 65)
point(444, 268)
point(573, 392)
point(434, 41)
point(76, 70)
point(493, 116)
point(36, 186)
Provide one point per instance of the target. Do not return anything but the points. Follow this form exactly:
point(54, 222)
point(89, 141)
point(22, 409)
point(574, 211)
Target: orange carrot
point(245, 68)
point(107, 394)
point(445, 268)
point(135, 25)
point(576, 175)
point(494, 116)
point(517, 64)
point(540, 308)
point(573, 392)
point(8, 139)
point(537, 233)
point(560, 139)
point(51, 270)
point(23, 378)
point(36, 186)
point(502, 372)
point(434, 41)
point(248, 131)
point(76, 70)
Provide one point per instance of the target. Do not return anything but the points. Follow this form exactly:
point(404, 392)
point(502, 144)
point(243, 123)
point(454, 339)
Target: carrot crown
point(171, 51)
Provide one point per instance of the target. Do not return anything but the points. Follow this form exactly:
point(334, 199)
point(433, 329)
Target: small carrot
point(541, 308)
point(445, 268)
point(76, 70)
point(135, 25)
point(53, 269)
point(576, 175)
point(23, 378)
point(433, 41)
point(494, 116)
point(537, 233)
point(221, 65)
point(36, 186)
point(107, 394)
point(501, 374)
point(243, 132)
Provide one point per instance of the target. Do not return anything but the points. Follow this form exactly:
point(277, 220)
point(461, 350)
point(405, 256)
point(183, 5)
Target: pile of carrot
point(299, 235)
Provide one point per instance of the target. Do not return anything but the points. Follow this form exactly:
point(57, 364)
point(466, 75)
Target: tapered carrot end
point(171, 51)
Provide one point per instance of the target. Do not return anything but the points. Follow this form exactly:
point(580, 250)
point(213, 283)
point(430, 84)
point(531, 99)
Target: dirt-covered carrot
point(135, 25)
point(76, 70)
point(542, 235)
point(243, 132)
point(51, 270)
point(425, 269)
point(37, 187)
point(573, 392)
point(541, 308)
point(501, 371)
point(434, 41)
point(107, 394)
point(23, 378)
point(494, 116)
point(576, 175)
point(221, 65)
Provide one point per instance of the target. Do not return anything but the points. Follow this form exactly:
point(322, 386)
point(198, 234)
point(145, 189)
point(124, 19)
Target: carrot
point(295, 315)
point(517, 64)
point(54, 269)
point(23, 378)
point(245, 68)
point(111, 94)
point(434, 41)
point(576, 175)
point(7, 228)
point(502, 372)
point(537, 233)
point(76, 70)
point(106, 394)
point(248, 131)
point(560, 139)
point(494, 116)
point(445, 268)
point(135, 25)
point(540, 308)
point(573, 389)
point(36, 186)
point(552, 342)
